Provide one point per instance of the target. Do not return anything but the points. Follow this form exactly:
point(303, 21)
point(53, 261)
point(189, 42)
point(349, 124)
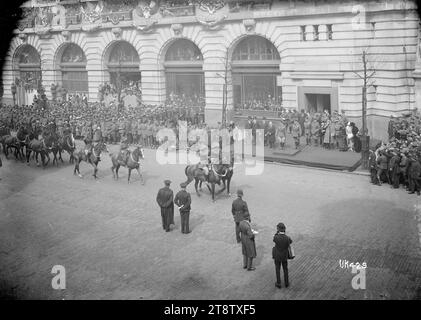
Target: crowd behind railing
point(397, 162)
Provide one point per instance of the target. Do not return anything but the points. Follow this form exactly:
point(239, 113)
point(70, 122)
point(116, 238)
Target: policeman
point(183, 202)
point(239, 212)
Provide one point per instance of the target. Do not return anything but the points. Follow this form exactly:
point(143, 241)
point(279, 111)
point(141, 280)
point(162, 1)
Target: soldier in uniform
point(281, 133)
point(123, 155)
point(296, 133)
point(414, 172)
point(403, 168)
point(271, 134)
point(373, 167)
point(315, 131)
point(165, 201)
point(239, 211)
point(307, 130)
point(183, 201)
point(394, 169)
point(382, 163)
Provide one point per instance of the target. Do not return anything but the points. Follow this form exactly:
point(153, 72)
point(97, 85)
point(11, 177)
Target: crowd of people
point(331, 131)
point(268, 104)
point(134, 125)
point(397, 162)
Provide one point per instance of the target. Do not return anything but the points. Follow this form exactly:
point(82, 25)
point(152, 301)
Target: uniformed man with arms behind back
point(183, 201)
point(239, 211)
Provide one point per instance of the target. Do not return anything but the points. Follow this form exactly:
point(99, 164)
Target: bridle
point(219, 175)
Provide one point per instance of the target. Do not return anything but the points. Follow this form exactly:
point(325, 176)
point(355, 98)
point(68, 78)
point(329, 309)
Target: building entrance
point(317, 103)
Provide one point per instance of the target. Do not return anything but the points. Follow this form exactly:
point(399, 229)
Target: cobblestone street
point(108, 235)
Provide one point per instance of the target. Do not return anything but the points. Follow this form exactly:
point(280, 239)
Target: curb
point(360, 173)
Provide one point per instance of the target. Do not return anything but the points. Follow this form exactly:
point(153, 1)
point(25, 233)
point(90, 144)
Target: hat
point(167, 182)
point(240, 192)
point(281, 226)
point(183, 185)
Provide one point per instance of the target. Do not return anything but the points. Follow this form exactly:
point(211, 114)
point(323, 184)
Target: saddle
point(123, 156)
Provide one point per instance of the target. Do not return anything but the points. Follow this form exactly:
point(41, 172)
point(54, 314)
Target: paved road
point(108, 236)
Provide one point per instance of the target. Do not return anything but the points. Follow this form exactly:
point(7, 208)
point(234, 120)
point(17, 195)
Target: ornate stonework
point(177, 29)
point(117, 32)
point(212, 25)
point(249, 24)
point(211, 6)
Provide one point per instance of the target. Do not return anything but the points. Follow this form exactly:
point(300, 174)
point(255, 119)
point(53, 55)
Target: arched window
point(73, 70)
point(28, 66)
point(255, 71)
point(183, 50)
point(184, 73)
point(125, 53)
point(123, 66)
point(255, 48)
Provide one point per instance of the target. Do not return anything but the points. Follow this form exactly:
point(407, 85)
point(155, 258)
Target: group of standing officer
point(166, 201)
point(243, 231)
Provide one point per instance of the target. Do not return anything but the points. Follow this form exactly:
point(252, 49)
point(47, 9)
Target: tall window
point(329, 32)
point(28, 67)
point(303, 33)
point(73, 70)
point(123, 66)
point(316, 32)
point(184, 74)
point(255, 71)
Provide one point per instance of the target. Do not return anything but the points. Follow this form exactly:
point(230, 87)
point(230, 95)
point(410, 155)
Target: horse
point(133, 162)
point(38, 147)
point(21, 135)
point(218, 173)
point(17, 142)
point(9, 142)
point(51, 145)
point(66, 143)
point(93, 158)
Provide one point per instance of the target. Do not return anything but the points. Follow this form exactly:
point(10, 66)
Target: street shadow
point(196, 220)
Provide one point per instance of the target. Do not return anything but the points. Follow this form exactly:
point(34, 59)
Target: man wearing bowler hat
point(165, 200)
point(239, 211)
point(280, 254)
point(183, 201)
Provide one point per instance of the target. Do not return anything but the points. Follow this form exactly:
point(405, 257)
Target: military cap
point(183, 185)
point(240, 192)
point(167, 182)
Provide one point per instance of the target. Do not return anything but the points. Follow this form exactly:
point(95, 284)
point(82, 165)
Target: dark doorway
point(317, 102)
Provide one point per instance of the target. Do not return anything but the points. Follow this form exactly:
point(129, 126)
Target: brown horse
point(11, 142)
point(38, 147)
point(51, 143)
point(217, 173)
point(93, 158)
point(66, 143)
point(132, 162)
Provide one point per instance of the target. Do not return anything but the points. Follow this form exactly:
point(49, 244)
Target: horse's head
point(138, 151)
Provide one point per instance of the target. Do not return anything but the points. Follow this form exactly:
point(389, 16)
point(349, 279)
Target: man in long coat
point(414, 173)
point(248, 246)
point(239, 212)
point(165, 200)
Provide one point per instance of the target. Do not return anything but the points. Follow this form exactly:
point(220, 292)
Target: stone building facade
point(302, 54)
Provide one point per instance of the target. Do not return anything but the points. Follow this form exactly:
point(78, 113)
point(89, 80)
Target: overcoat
point(247, 239)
